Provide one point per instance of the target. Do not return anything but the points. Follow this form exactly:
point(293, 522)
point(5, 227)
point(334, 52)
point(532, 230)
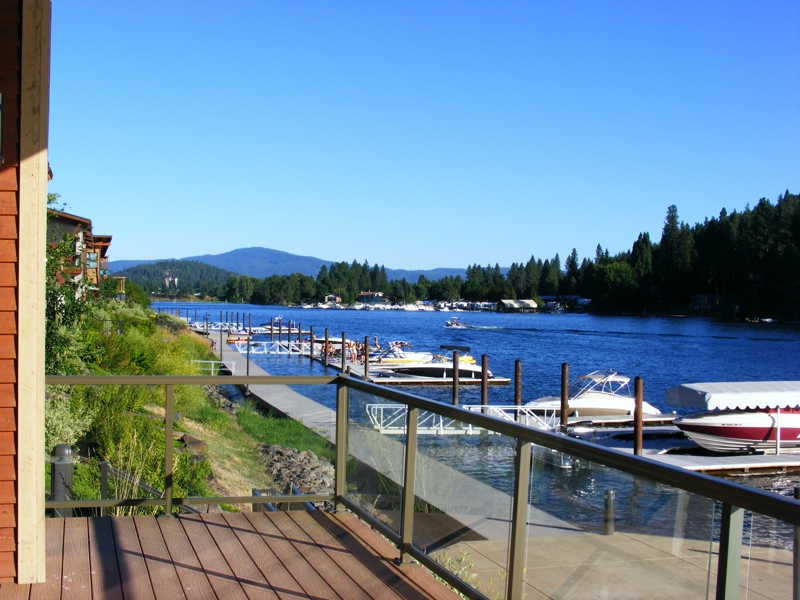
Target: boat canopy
point(735, 395)
point(608, 376)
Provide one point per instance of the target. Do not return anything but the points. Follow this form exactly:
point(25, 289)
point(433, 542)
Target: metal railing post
point(168, 450)
point(609, 517)
point(519, 520)
point(730, 552)
point(342, 421)
point(407, 515)
point(104, 486)
point(564, 395)
point(796, 549)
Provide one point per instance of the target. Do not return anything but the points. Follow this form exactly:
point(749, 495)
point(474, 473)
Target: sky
point(418, 134)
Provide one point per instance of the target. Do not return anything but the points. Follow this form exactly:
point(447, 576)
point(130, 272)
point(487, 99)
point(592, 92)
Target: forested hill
point(192, 277)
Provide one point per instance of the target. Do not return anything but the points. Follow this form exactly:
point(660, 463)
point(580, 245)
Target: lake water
point(663, 351)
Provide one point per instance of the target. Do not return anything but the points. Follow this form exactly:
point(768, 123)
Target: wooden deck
point(230, 555)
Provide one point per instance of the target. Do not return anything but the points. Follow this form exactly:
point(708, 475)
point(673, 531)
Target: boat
point(600, 393)
point(762, 416)
point(398, 353)
point(455, 323)
point(442, 367)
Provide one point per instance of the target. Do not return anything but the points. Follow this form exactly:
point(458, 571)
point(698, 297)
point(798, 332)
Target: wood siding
point(10, 67)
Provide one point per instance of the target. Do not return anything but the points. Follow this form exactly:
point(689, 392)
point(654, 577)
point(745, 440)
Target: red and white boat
point(759, 416)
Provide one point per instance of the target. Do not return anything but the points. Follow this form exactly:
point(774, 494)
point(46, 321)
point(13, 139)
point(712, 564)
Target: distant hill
point(264, 262)
point(118, 265)
point(191, 275)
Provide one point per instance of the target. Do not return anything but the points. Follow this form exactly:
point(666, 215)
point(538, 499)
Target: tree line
point(744, 263)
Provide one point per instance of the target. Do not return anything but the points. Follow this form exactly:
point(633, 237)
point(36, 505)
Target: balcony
point(510, 525)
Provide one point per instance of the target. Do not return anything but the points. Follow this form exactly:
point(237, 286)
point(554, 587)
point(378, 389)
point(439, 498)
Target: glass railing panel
point(767, 558)
point(463, 498)
point(594, 531)
point(376, 455)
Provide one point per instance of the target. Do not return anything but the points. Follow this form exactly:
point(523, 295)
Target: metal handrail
point(778, 507)
point(734, 497)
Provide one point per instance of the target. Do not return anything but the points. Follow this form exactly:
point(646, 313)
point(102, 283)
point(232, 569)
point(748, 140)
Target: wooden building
point(90, 257)
point(24, 85)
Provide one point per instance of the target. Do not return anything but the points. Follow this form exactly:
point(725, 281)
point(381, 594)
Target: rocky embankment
point(311, 474)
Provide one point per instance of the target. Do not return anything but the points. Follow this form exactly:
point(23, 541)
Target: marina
point(662, 441)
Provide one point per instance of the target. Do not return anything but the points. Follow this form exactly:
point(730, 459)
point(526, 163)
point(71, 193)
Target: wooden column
point(31, 199)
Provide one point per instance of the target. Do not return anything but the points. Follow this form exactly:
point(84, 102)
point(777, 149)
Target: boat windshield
point(607, 382)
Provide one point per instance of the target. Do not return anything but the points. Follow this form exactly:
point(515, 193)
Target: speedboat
point(455, 323)
point(441, 366)
point(750, 416)
point(398, 353)
point(599, 393)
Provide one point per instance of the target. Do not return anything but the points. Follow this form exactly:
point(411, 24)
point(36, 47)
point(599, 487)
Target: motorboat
point(398, 353)
point(455, 323)
point(600, 393)
point(761, 416)
point(442, 366)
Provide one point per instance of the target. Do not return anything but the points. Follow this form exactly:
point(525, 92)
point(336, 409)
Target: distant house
point(89, 259)
point(370, 297)
point(517, 305)
point(718, 303)
point(332, 298)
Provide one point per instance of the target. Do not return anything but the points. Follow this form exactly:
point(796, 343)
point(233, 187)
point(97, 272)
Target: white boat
point(398, 355)
point(599, 393)
point(455, 323)
point(750, 416)
point(442, 367)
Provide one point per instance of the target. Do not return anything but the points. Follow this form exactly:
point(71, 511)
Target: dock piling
point(344, 350)
point(365, 354)
point(311, 350)
point(518, 382)
point(484, 380)
point(326, 348)
point(638, 392)
point(455, 377)
point(564, 395)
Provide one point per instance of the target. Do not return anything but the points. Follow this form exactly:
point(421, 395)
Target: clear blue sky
point(418, 134)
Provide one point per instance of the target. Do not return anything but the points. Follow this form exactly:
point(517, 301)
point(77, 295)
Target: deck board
point(281, 581)
point(240, 556)
point(132, 568)
point(76, 577)
point(103, 560)
point(338, 579)
point(163, 577)
point(217, 570)
point(190, 572)
point(54, 548)
point(10, 591)
point(250, 577)
point(314, 585)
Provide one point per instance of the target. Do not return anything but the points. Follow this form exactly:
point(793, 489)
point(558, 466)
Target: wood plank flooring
point(280, 555)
